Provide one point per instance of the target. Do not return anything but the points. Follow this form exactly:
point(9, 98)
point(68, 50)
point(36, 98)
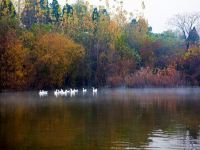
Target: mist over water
point(111, 119)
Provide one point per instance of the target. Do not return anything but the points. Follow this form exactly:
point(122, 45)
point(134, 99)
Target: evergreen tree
point(55, 11)
point(43, 12)
point(134, 22)
point(29, 14)
point(80, 8)
point(36, 11)
point(95, 15)
point(47, 14)
point(43, 4)
point(193, 38)
point(67, 9)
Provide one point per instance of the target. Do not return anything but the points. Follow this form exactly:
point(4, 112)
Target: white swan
point(56, 92)
point(61, 92)
point(43, 93)
point(67, 91)
point(94, 90)
point(84, 90)
point(72, 92)
point(75, 90)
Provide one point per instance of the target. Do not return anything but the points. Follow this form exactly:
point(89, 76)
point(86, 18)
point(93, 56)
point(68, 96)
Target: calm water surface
point(112, 119)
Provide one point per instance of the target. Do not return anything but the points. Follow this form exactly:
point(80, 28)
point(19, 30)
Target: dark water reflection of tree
point(109, 121)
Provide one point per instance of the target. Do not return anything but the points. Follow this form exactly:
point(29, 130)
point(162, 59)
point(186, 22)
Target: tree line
point(49, 46)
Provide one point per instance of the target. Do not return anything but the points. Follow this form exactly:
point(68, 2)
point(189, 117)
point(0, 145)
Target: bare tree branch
point(185, 22)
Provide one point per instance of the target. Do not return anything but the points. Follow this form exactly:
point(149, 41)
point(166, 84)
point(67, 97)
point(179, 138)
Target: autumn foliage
point(190, 64)
point(53, 56)
point(12, 57)
point(49, 46)
point(147, 77)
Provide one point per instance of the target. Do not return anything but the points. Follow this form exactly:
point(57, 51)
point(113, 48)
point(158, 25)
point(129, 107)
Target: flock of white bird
point(71, 92)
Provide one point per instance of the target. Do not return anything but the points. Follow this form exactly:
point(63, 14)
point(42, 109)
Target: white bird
point(84, 90)
point(62, 92)
point(94, 90)
point(72, 92)
point(66, 91)
point(75, 90)
point(56, 93)
point(43, 93)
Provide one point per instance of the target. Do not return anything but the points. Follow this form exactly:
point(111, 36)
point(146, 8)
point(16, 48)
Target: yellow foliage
point(55, 53)
point(195, 51)
point(13, 55)
point(114, 29)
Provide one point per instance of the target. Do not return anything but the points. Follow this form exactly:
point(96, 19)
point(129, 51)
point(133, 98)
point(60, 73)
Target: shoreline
point(109, 88)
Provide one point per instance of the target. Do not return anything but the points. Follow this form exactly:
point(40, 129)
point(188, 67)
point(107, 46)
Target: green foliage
point(7, 8)
point(124, 50)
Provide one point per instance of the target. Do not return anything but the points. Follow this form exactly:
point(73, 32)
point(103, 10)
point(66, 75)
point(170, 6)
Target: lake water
point(112, 119)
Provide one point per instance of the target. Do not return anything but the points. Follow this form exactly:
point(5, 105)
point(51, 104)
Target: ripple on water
point(172, 140)
point(113, 119)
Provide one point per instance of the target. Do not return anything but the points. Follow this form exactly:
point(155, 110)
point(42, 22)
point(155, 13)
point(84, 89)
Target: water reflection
point(112, 119)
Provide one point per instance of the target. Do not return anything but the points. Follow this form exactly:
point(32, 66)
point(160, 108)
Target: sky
point(157, 12)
